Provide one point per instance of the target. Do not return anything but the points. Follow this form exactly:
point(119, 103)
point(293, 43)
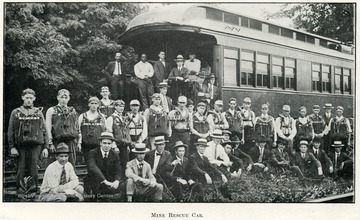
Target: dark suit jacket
point(342, 158)
point(199, 167)
point(176, 73)
point(278, 157)
point(161, 72)
point(254, 153)
point(180, 170)
point(308, 163)
point(205, 89)
point(109, 69)
point(323, 158)
point(164, 164)
point(242, 155)
point(98, 171)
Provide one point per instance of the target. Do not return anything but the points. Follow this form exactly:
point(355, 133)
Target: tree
point(330, 20)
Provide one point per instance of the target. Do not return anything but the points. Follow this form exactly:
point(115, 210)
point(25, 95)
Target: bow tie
point(27, 106)
point(158, 154)
point(141, 164)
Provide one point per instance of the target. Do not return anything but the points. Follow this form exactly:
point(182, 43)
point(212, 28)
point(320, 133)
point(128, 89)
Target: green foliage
point(333, 20)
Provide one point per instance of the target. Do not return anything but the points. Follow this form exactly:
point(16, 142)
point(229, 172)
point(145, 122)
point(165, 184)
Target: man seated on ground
point(204, 172)
point(159, 160)
point(105, 175)
point(141, 181)
point(308, 164)
point(237, 152)
point(281, 160)
point(320, 155)
point(261, 156)
point(343, 164)
point(238, 165)
point(60, 183)
point(180, 174)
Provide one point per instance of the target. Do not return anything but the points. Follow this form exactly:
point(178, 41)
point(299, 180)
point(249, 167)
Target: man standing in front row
point(60, 183)
point(104, 171)
point(116, 77)
point(144, 71)
point(140, 180)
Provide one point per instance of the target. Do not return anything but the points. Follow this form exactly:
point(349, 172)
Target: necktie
point(105, 155)
point(140, 169)
point(303, 156)
point(336, 156)
point(261, 155)
point(63, 176)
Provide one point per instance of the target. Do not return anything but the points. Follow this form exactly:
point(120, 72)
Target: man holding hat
point(216, 119)
point(179, 118)
point(179, 78)
point(161, 71)
point(137, 124)
point(261, 156)
point(340, 129)
point(60, 183)
point(286, 128)
point(307, 162)
point(203, 171)
point(159, 160)
point(166, 101)
point(319, 125)
point(156, 120)
point(62, 124)
point(180, 174)
point(211, 91)
point(144, 71)
point(104, 170)
point(91, 123)
point(343, 164)
point(141, 181)
point(320, 155)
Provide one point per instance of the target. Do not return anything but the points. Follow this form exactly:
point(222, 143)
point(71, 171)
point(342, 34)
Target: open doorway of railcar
point(175, 43)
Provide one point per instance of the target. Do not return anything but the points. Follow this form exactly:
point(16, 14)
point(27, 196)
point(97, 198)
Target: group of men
point(174, 148)
point(187, 79)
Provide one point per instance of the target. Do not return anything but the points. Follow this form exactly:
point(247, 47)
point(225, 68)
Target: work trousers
point(27, 163)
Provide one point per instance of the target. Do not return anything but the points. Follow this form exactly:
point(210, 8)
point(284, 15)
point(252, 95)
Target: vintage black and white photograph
point(125, 102)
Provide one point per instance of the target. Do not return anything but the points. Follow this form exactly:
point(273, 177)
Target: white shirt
point(214, 151)
point(156, 162)
point(193, 66)
point(103, 153)
point(117, 69)
point(143, 69)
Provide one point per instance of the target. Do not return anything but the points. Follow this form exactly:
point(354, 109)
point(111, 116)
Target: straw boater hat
point(202, 142)
point(217, 134)
point(226, 132)
point(328, 105)
point(106, 135)
point(160, 140)
point(140, 148)
point(179, 144)
point(163, 85)
point(179, 58)
point(303, 143)
point(337, 144)
point(62, 148)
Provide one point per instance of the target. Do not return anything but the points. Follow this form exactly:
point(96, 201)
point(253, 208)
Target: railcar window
point(286, 33)
point(263, 70)
point(325, 78)
point(338, 83)
point(300, 37)
point(316, 78)
point(278, 72)
point(231, 67)
point(255, 25)
point(231, 18)
point(310, 39)
point(323, 43)
point(346, 78)
point(274, 29)
point(214, 14)
point(244, 22)
point(290, 73)
point(247, 68)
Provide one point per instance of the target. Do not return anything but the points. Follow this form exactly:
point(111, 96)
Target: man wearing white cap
point(286, 128)
point(340, 129)
point(216, 119)
point(179, 78)
point(106, 105)
point(141, 181)
point(249, 122)
point(137, 123)
point(144, 71)
point(179, 118)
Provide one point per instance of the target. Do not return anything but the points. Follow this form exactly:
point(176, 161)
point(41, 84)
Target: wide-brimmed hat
point(202, 142)
point(179, 144)
point(163, 85)
point(337, 144)
point(179, 58)
point(227, 142)
point(235, 140)
point(217, 133)
point(226, 132)
point(106, 135)
point(62, 148)
point(328, 105)
point(160, 140)
point(140, 148)
point(304, 143)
